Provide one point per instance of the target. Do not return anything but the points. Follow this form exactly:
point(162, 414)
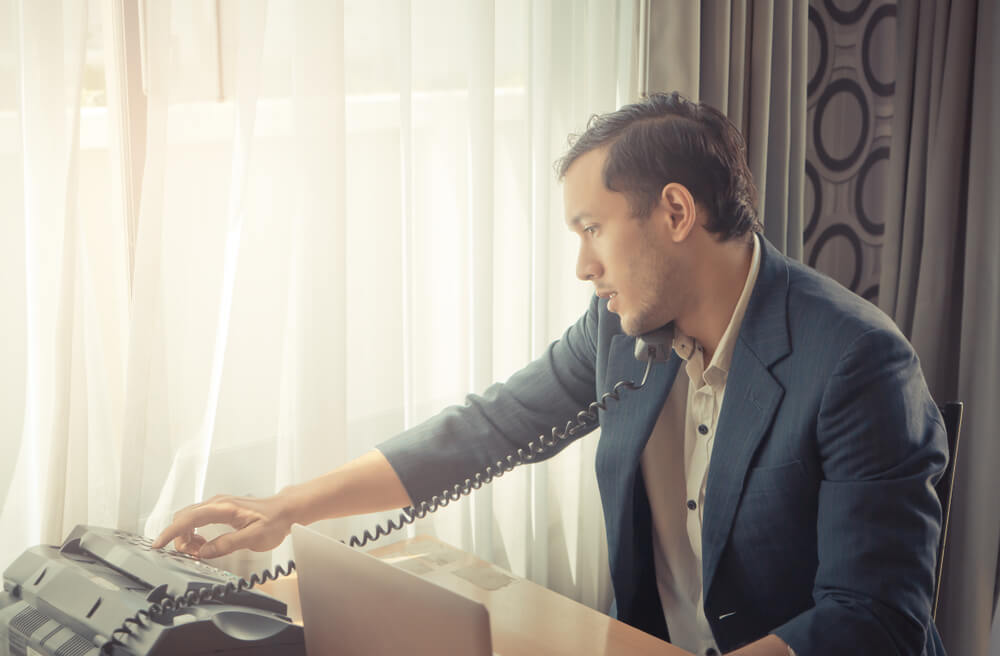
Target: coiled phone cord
point(217, 592)
point(584, 421)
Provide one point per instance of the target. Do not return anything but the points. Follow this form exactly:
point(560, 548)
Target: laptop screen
point(354, 603)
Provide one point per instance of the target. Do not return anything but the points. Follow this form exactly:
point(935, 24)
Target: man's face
point(631, 261)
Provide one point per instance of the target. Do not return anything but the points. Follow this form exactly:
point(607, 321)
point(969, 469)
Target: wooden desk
point(525, 618)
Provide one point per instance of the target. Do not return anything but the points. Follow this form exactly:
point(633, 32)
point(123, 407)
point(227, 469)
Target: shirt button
point(691, 504)
point(703, 429)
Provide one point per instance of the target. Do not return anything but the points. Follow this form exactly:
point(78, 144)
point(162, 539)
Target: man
point(769, 490)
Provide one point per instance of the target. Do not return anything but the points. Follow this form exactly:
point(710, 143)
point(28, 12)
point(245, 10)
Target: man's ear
point(677, 203)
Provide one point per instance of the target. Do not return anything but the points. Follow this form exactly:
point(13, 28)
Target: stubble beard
point(661, 289)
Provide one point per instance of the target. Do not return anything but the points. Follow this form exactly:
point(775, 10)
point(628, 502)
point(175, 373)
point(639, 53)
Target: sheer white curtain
point(348, 220)
point(63, 284)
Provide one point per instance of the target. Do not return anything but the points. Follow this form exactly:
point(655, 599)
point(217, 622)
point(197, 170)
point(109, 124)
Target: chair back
point(952, 415)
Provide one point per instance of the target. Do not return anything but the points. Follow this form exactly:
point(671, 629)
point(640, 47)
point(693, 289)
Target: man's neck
point(719, 281)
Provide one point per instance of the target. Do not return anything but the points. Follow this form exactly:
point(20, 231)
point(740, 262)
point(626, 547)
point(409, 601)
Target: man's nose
point(587, 266)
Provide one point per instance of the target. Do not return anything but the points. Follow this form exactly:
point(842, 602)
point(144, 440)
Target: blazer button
point(692, 505)
point(711, 652)
point(703, 429)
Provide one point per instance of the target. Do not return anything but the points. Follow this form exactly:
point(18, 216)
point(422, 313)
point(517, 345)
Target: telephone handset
point(654, 346)
point(70, 600)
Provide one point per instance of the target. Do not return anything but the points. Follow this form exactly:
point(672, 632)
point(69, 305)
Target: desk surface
point(525, 618)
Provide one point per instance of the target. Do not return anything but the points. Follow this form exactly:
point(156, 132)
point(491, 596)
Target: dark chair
point(952, 415)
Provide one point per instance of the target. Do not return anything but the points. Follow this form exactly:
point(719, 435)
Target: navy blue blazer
point(820, 521)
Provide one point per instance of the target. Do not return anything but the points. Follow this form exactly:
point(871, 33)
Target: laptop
point(356, 604)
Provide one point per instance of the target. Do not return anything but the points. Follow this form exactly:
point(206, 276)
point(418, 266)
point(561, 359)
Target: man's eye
point(591, 229)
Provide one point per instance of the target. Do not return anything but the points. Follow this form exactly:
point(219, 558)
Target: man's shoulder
point(818, 304)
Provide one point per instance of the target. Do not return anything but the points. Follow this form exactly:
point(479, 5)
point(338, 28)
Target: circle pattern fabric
point(851, 82)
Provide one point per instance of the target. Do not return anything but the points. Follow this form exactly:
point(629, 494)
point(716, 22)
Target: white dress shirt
point(675, 469)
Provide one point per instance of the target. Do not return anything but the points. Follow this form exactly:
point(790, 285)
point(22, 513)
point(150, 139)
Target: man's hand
point(261, 525)
point(367, 484)
point(769, 645)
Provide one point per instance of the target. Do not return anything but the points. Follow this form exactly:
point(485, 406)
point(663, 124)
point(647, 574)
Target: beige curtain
point(940, 273)
point(748, 59)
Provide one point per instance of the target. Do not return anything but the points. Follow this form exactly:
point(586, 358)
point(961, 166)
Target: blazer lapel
point(752, 397)
point(625, 429)
point(630, 420)
point(750, 402)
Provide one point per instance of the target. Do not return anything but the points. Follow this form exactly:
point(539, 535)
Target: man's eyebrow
point(578, 219)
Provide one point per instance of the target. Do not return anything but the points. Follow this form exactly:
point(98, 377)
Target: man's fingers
point(227, 543)
point(190, 544)
point(187, 520)
point(165, 536)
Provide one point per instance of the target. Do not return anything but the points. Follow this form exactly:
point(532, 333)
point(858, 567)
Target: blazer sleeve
point(434, 456)
point(882, 446)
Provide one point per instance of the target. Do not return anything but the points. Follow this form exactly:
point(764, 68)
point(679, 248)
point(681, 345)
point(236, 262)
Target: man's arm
point(479, 436)
point(882, 446)
point(418, 464)
point(367, 484)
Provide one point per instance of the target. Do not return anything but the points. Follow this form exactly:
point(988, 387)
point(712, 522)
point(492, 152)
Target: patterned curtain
point(849, 121)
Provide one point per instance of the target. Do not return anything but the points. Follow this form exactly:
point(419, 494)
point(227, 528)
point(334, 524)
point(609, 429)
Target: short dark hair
point(667, 138)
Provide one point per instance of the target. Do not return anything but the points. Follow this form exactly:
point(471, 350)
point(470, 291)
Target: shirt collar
point(685, 346)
